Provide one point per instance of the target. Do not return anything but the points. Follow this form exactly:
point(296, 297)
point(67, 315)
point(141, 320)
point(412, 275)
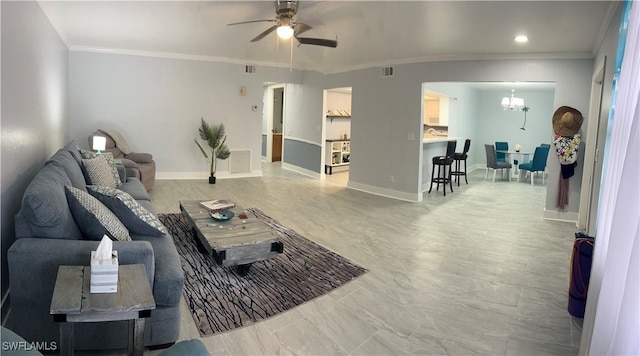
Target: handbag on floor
point(580, 270)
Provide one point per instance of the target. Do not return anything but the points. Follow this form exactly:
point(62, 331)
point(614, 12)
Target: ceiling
point(369, 34)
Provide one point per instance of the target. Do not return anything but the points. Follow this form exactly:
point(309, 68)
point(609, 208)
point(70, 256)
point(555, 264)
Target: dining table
point(522, 156)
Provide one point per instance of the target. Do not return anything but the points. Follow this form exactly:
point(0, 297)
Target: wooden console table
point(72, 303)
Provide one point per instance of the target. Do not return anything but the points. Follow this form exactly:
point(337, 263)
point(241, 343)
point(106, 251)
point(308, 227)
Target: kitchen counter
point(439, 139)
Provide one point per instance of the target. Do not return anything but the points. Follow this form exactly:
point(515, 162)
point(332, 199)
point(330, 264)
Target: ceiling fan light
point(285, 32)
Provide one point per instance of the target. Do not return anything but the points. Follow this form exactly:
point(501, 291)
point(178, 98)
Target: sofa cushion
point(134, 187)
point(140, 157)
point(65, 159)
point(134, 216)
point(127, 163)
point(95, 219)
point(74, 149)
point(100, 171)
point(44, 207)
point(169, 276)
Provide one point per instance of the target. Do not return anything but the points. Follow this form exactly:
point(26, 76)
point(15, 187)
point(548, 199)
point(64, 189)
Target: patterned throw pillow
point(94, 219)
point(134, 216)
point(108, 156)
point(102, 171)
point(86, 154)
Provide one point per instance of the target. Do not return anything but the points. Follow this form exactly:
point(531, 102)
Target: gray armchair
point(138, 165)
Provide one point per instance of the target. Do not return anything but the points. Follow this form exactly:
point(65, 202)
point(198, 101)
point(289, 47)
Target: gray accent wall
point(34, 107)
point(263, 150)
point(302, 154)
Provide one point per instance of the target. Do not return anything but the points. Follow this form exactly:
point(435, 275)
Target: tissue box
point(104, 274)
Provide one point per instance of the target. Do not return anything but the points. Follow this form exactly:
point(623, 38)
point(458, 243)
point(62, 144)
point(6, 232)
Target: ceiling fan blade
point(243, 22)
point(263, 34)
point(300, 27)
point(318, 42)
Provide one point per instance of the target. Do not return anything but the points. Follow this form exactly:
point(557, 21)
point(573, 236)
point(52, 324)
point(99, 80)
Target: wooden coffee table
point(235, 242)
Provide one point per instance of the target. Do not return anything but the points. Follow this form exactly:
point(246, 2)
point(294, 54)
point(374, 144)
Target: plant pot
point(212, 180)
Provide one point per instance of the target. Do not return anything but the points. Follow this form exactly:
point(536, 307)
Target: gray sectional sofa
point(47, 236)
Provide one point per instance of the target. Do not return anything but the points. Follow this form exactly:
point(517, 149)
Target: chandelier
point(512, 103)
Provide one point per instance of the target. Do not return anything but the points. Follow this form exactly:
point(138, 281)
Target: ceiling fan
point(286, 26)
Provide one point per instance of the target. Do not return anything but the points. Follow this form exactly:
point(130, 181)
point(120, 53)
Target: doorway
point(336, 156)
point(278, 120)
point(273, 122)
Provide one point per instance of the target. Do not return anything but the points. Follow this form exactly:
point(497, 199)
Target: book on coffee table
point(218, 204)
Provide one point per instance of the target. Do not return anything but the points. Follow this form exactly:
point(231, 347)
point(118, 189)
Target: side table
point(72, 303)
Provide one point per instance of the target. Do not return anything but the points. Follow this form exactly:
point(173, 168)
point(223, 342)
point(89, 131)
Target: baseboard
point(476, 166)
point(306, 172)
point(560, 216)
point(201, 175)
point(389, 193)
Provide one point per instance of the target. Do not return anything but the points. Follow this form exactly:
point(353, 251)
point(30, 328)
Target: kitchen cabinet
point(337, 154)
point(431, 112)
point(436, 111)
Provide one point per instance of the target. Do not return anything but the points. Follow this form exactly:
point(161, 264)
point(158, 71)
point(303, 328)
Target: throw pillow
point(86, 154)
point(112, 164)
point(94, 219)
point(134, 216)
point(102, 171)
point(107, 156)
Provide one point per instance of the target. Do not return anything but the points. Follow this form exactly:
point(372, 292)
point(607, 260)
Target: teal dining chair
point(501, 146)
point(538, 164)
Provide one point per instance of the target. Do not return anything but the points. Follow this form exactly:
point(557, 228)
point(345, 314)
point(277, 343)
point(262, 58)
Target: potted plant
point(215, 137)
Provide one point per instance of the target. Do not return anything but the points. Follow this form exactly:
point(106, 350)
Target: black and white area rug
point(221, 300)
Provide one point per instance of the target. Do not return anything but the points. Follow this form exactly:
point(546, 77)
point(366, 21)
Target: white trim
point(452, 58)
point(300, 170)
point(555, 215)
point(591, 166)
point(173, 55)
point(243, 62)
point(205, 175)
point(389, 193)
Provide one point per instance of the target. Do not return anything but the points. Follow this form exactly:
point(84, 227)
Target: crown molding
point(426, 59)
point(173, 55)
point(458, 58)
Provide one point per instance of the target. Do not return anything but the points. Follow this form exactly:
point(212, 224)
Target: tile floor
point(476, 272)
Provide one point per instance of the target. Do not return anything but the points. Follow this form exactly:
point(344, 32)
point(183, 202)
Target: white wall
point(34, 106)
point(157, 104)
point(336, 127)
point(497, 124)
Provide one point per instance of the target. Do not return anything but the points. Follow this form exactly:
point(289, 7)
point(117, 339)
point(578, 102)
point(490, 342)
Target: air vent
point(386, 72)
point(249, 69)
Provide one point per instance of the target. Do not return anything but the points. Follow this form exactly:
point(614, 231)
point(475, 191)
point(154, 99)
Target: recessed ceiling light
point(522, 39)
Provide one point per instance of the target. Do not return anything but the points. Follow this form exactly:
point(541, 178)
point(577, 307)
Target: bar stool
point(444, 174)
point(461, 156)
